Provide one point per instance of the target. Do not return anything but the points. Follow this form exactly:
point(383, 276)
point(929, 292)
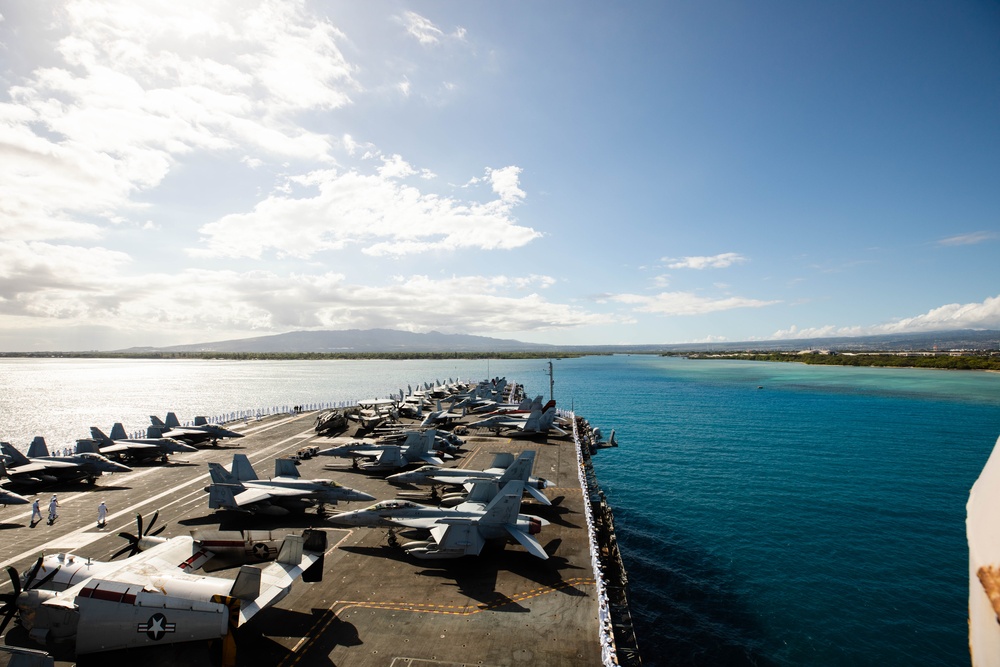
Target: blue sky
point(560, 172)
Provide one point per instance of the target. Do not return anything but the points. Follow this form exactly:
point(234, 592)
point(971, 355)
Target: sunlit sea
point(768, 514)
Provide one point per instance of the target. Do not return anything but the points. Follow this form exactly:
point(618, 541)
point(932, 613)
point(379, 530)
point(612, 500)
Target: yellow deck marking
point(314, 633)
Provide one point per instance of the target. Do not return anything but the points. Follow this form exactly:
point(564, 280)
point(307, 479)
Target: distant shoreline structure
point(988, 360)
point(394, 344)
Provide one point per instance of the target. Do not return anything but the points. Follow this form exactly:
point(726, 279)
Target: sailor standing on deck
point(36, 513)
point(102, 514)
point(53, 514)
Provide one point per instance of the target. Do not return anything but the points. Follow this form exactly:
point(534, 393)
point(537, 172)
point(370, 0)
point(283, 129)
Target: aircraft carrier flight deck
point(376, 604)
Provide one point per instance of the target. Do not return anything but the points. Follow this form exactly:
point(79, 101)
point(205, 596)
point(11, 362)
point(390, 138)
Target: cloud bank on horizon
point(190, 171)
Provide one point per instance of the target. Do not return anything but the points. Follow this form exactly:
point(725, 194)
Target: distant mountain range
point(390, 340)
point(358, 340)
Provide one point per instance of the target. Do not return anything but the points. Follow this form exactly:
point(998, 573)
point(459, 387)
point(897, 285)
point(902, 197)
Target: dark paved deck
point(375, 606)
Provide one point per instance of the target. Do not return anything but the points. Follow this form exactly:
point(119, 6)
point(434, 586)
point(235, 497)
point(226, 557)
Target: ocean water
point(768, 514)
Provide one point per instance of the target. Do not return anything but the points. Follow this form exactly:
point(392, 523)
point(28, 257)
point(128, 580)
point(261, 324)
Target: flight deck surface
point(376, 605)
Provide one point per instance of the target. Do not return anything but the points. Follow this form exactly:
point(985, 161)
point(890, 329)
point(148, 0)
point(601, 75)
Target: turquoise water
point(818, 520)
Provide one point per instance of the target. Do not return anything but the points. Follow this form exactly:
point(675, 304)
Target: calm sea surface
point(769, 514)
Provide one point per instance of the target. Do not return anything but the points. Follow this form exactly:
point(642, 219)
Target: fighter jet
point(9, 497)
point(133, 449)
point(442, 417)
point(240, 489)
point(38, 466)
point(201, 432)
point(385, 457)
point(458, 531)
point(504, 469)
point(537, 423)
point(148, 599)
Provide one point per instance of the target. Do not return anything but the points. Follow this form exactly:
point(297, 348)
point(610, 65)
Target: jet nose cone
point(361, 495)
point(343, 519)
point(398, 478)
point(120, 467)
point(184, 447)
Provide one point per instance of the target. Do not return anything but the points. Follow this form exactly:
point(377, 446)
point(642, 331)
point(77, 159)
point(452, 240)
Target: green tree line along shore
point(965, 362)
point(987, 361)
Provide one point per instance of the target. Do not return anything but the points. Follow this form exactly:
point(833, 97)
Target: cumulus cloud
point(380, 212)
point(686, 303)
point(721, 261)
point(138, 86)
point(191, 302)
point(984, 315)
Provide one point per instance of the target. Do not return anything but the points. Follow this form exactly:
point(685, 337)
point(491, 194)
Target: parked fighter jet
point(9, 497)
point(201, 432)
point(536, 423)
point(38, 466)
point(240, 489)
point(147, 599)
point(457, 531)
point(504, 469)
point(442, 417)
point(385, 457)
point(134, 449)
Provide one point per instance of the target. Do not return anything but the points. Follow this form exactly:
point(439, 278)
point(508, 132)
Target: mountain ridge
point(394, 340)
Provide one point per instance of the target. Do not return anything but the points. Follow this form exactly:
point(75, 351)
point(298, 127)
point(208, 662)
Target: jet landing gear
point(392, 539)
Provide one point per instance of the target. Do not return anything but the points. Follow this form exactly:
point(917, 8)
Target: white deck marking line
point(128, 510)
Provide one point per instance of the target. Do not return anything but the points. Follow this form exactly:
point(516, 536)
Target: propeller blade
point(156, 515)
point(132, 546)
point(121, 551)
point(138, 520)
point(14, 580)
point(9, 615)
point(44, 580)
point(32, 572)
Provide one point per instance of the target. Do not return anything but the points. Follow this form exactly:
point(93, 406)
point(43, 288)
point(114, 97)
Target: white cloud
point(721, 261)
point(425, 32)
point(42, 284)
point(423, 29)
point(379, 212)
point(686, 303)
point(142, 84)
point(505, 183)
point(969, 239)
point(985, 315)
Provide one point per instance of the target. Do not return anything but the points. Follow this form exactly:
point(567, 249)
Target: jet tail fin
point(16, 457)
point(118, 432)
point(504, 508)
point(285, 468)
point(172, 421)
point(220, 475)
point(242, 470)
point(483, 491)
point(98, 435)
point(38, 448)
point(520, 469)
point(221, 496)
point(200, 421)
point(84, 445)
point(156, 421)
point(502, 460)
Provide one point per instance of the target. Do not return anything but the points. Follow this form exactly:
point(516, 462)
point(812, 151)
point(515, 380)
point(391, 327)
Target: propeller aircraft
point(149, 598)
